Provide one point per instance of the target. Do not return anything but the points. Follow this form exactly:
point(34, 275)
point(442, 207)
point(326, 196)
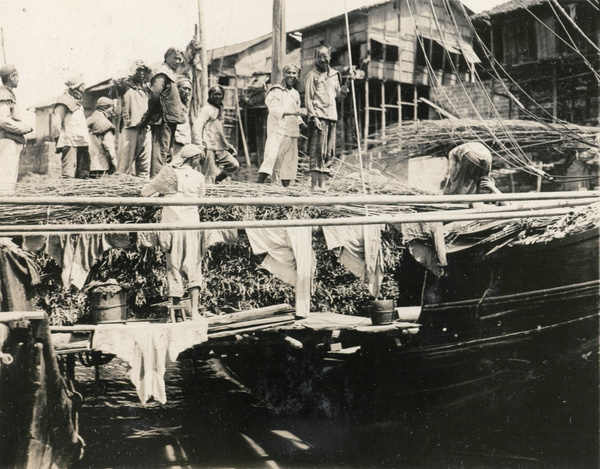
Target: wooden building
point(550, 51)
point(401, 49)
point(244, 70)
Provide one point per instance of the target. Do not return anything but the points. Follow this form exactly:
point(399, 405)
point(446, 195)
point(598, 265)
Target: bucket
point(382, 312)
point(108, 303)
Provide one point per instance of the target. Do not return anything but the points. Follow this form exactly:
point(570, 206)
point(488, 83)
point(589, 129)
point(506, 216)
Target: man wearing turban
point(70, 132)
point(12, 130)
point(208, 133)
point(283, 129)
point(103, 154)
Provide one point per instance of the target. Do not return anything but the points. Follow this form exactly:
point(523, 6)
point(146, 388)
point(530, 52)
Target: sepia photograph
point(296, 234)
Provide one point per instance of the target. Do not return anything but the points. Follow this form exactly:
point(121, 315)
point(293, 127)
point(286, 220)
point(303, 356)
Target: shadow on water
point(211, 420)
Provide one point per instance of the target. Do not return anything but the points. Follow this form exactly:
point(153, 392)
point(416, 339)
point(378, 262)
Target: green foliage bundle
point(233, 275)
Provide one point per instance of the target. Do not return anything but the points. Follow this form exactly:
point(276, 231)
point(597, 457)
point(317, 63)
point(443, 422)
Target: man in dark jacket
point(165, 110)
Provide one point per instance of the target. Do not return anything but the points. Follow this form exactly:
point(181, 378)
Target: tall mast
point(278, 40)
point(203, 59)
point(2, 43)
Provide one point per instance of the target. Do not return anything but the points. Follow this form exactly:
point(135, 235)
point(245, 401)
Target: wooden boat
point(508, 340)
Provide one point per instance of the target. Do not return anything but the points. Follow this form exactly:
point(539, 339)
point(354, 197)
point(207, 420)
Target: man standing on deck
point(70, 132)
point(103, 154)
point(165, 111)
point(12, 130)
point(283, 129)
point(208, 134)
point(135, 142)
point(183, 132)
point(323, 86)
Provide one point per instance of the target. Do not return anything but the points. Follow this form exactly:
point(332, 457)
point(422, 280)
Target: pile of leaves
point(541, 231)
point(233, 276)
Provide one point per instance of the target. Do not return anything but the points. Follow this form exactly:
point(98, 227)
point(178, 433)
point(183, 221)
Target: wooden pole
point(244, 143)
point(2, 42)
point(203, 58)
point(279, 41)
point(425, 217)
point(360, 158)
point(295, 201)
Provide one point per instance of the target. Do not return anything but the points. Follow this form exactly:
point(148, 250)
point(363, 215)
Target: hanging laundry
point(186, 248)
point(76, 254)
point(361, 251)
point(426, 244)
point(148, 349)
point(17, 273)
point(290, 258)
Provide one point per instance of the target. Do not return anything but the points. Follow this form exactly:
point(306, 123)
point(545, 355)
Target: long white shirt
point(282, 101)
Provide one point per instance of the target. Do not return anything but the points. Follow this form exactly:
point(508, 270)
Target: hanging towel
point(148, 349)
point(361, 251)
point(290, 258)
point(187, 248)
point(76, 254)
point(426, 244)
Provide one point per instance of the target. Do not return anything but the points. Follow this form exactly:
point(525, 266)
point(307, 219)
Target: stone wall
point(472, 101)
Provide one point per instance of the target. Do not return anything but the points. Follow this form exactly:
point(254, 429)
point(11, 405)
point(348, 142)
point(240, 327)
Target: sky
point(48, 40)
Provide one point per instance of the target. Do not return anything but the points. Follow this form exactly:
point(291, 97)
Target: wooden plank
point(217, 335)
point(249, 323)
point(249, 315)
point(7, 316)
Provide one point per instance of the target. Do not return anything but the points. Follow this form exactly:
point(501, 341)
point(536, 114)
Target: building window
point(384, 52)
point(377, 50)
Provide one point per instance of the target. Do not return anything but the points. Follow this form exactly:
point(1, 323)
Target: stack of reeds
point(438, 137)
point(346, 181)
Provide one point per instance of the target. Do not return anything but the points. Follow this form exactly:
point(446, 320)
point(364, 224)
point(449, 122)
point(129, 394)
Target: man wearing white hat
point(70, 132)
point(12, 130)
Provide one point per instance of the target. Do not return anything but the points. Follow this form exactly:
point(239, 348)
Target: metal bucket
point(108, 304)
point(382, 312)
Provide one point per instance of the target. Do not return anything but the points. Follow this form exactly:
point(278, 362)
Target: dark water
point(212, 421)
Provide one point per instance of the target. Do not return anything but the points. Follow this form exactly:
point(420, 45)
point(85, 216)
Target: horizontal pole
point(304, 200)
point(438, 216)
point(9, 316)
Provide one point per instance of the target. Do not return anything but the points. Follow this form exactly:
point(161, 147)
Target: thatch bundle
point(505, 137)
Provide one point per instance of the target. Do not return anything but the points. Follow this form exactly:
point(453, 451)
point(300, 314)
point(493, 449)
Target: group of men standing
point(155, 124)
point(323, 88)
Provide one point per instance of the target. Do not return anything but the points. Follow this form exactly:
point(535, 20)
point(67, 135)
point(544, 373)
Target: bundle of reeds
point(438, 137)
point(346, 181)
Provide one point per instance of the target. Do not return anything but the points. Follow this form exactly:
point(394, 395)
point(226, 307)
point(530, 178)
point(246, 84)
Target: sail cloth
point(361, 251)
point(290, 257)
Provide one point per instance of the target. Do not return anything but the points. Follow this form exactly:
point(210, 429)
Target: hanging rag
point(17, 272)
point(426, 244)
point(361, 251)
point(148, 349)
point(76, 254)
point(290, 258)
